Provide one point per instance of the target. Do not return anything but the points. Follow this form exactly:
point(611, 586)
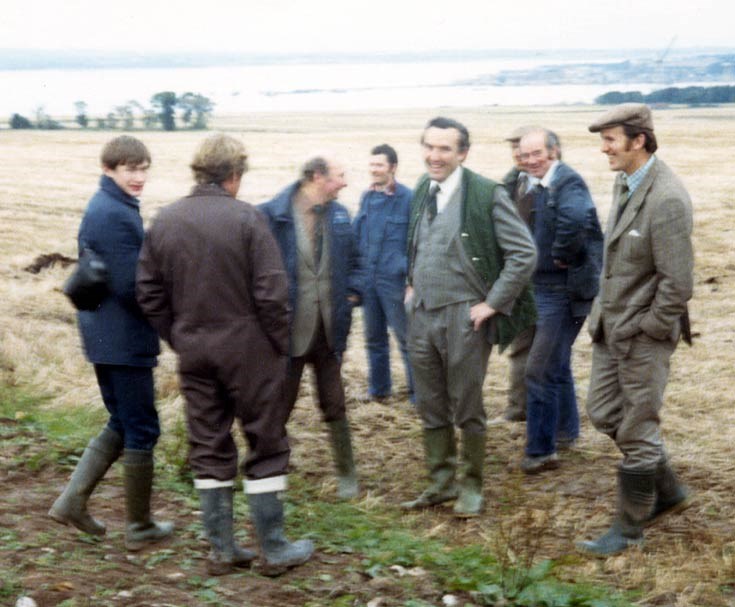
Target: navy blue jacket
point(346, 271)
point(566, 228)
point(390, 261)
point(116, 333)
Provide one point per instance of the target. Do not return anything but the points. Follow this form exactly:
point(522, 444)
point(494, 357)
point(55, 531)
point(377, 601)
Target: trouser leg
point(377, 344)
point(518, 360)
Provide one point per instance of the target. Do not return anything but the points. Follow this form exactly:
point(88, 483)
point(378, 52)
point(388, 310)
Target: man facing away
point(325, 278)
point(470, 257)
point(211, 281)
point(637, 319)
point(381, 226)
point(568, 240)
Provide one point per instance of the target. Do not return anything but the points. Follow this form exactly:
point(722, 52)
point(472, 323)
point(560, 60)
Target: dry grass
point(48, 177)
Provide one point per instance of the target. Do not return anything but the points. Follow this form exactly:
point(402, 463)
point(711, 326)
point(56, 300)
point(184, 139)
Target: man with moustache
point(470, 260)
point(380, 227)
point(568, 240)
point(325, 281)
point(637, 320)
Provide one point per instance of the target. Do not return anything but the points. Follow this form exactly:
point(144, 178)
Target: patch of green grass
point(381, 537)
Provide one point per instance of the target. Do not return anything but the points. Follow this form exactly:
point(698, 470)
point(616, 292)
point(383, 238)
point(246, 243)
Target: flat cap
point(518, 133)
point(631, 114)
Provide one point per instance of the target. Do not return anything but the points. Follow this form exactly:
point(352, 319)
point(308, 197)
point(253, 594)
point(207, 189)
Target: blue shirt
point(636, 178)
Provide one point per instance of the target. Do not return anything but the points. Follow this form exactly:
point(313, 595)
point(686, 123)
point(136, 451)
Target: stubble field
point(688, 560)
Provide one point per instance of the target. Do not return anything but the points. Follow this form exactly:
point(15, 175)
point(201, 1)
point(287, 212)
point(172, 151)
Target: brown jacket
point(647, 271)
point(210, 273)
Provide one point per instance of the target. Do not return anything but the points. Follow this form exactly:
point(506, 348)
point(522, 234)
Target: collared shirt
point(388, 190)
point(545, 180)
point(447, 188)
point(634, 179)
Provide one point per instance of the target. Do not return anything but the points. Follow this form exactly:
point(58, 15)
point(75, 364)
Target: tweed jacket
point(648, 262)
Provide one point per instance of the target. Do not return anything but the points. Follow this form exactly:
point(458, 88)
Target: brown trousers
point(235, 379)
point(328, 370)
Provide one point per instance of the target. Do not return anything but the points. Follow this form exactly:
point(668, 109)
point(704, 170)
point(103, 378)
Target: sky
point(288, 26)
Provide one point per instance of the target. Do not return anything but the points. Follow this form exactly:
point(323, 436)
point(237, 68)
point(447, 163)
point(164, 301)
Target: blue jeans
point(551, 401)
point(129, 398)
point(383, 307)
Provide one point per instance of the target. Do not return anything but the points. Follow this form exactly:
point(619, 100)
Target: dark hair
point(218, 158)
point(125, 150)
point(387, 150)
point(631, 132)
point(314, 166)
point(448, 123)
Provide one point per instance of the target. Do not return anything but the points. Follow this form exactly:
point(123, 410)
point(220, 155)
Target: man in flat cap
point(518, 185)
point(637, 319)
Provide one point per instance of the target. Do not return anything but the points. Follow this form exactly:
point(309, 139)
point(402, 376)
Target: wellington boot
point(141, 529)
point(470, 502)
point(70, 508)
point(440, 451)
point(671, 497)
point(636, 495)
point(225, 554)
point(339, 434)
point(277, 553)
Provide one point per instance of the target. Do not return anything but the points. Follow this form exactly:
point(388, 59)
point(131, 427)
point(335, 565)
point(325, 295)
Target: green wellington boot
point(141, 529)
point(440, 450)
point(636, 496)
point(225, 555)
point(469, 503)
point(70, 508)
point(278, 554)
point(671, 496)
point(339, 434)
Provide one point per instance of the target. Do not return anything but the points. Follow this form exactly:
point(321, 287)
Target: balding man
point(637, 319)
point(325, 278)
point(568, 239)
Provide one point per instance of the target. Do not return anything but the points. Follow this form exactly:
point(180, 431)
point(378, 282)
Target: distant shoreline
point(50, 59)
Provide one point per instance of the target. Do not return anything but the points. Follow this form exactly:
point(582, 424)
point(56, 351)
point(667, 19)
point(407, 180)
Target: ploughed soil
point(686, 560)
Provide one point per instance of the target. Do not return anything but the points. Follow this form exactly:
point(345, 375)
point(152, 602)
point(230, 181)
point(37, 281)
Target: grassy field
point(688, 560)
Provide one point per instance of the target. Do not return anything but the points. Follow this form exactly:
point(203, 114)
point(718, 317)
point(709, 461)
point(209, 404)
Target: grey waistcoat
point(442, 273)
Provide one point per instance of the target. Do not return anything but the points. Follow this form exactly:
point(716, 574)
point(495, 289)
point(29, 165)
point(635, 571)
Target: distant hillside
point(695, 68)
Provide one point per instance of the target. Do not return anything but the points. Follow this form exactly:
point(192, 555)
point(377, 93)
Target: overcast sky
point(363, 26)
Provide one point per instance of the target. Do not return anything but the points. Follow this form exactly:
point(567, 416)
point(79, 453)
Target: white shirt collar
point(546, 179)
point(447, 188)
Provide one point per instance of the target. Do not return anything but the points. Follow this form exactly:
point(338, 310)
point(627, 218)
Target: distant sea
point(307, 86)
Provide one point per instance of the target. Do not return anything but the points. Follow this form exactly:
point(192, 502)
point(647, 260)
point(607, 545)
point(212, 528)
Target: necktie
point(431, 203)
point(622, 200)
point(318, 211)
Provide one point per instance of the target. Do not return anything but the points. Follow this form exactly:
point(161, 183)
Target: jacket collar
point(108, 185)
point(209, 189)
point(633, 205)
point(283, 204)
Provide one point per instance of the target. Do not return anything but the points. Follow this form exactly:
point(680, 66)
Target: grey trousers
point(449, 361)
point(518, 358)
point(626, 396)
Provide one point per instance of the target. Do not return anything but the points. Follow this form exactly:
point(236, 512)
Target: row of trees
point(194, 111)
point(690, 95)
